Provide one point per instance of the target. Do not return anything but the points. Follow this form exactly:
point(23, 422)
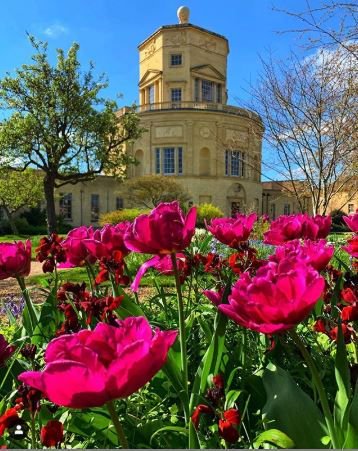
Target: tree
point(328, 24)
point(60, 124)
point(19, 190)
point(309, 109)
point(148, 191)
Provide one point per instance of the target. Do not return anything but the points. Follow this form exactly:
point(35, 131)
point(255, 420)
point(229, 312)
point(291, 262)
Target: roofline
point(180, 26)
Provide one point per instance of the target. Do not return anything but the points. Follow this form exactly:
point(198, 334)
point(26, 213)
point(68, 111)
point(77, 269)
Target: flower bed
point(251, 344)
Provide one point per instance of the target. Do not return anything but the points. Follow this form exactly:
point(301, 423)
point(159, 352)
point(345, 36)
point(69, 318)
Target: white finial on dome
point(183, 14)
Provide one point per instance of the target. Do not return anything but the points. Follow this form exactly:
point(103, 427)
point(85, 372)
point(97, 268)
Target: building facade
point(212, 149)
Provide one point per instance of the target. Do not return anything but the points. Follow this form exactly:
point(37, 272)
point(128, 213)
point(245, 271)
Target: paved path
point(10, 286)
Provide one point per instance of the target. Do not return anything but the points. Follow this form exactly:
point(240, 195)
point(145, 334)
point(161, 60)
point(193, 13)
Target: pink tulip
point(232, 231)
point(314, 253)
point(164, 231)
point(92, 367)
point(163, 264)
point(280, 296)
point(15, 259)
point(107, 240)
point(76, 251)
point(352, 221)
point(287, 228)
point(216, 297)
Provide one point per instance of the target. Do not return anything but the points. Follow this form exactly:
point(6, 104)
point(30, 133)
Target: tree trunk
point(49, 189)
point(11, 221)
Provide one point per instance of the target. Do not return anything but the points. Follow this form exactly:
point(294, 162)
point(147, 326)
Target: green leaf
point(343, 395)
point(351, 438)
point(231, 398)
point(276, 437)
point(178, 429)
point(291, 410)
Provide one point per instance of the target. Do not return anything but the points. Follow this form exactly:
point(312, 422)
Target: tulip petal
point(142, 270)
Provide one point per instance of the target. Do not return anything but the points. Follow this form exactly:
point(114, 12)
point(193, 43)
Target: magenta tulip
point(15, 259)
point(232, 231)
point(76, 251)
point(280, 296)
point(314, 253)
point(164, 231)
point(287, 228)
point(107, 240)
point(352, 221)
point(92, 367)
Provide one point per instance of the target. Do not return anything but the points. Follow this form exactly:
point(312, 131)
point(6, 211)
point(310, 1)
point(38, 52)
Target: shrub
point(127, 214)
point(338, 225)
point(35, 216)
point(207, 212)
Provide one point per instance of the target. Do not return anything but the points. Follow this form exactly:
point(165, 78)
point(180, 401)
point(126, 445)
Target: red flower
point(6, 350)
point(349, 296)
point(352, 247)
point(9, 419)
point(51, 252)
point(228, 426)
point(320, 326)
point(201, 408)
point(218, 381)
point(52, 433)
point(350, 313)
point(347, 333)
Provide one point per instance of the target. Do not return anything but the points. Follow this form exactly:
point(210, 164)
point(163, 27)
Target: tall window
point(66, 206)
point(287, 209)
point(94, 207)
point(350, 208)
point(150, 91)
point(273, 211)
point(119, 203)
point(207, 91)
point(176, 59)
point(234, 163)
point(168, 160)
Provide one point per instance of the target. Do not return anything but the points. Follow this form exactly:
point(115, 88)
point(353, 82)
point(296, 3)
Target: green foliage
point(207, 212)
point(148, 191)
point(127, 214)
point(60, 124)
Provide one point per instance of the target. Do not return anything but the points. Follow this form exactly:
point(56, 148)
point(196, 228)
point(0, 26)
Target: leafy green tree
point(19, 190)
point(61, 125)
point(148, 191)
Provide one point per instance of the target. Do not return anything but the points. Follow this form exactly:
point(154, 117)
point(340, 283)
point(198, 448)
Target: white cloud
point(55, 30)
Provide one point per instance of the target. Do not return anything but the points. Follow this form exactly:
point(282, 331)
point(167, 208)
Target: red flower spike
point(9, 419)
point(52, 433)
point(228, 426)
point(200, 409)
point(218, 381)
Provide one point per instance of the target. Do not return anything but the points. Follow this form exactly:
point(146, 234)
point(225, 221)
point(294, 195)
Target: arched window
point(204, 161)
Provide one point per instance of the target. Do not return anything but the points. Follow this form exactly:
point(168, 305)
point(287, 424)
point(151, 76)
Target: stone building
point(211, 148)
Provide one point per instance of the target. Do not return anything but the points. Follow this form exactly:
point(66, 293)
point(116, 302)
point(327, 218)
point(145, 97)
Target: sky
point(109, 32)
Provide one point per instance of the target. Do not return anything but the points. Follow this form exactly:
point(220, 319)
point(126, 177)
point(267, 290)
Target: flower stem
point(28, 302)
point(33, 432)
point(182, 337)
point(319, 386)
point(117, 425)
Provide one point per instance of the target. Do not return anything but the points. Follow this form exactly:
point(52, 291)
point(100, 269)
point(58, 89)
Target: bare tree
point(328, 24)
point(309, 109)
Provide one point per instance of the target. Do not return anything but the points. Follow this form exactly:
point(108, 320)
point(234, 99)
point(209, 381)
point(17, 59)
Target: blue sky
point(109, 31)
